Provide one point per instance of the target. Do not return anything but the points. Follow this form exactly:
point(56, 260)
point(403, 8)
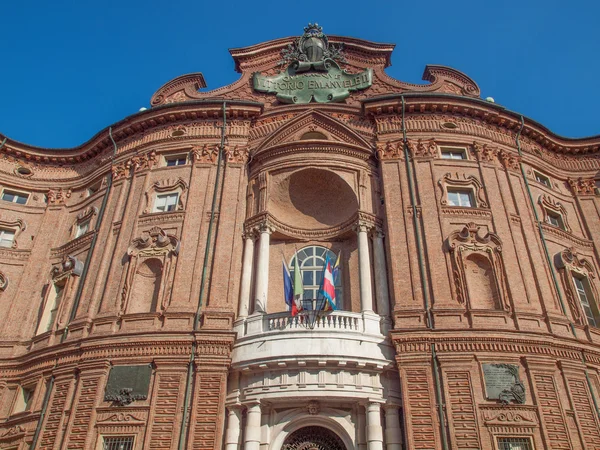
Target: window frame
point(17, 194)
point(445, 150)
point(560, 221)
point(23, 400)
point(52, 300)
point(542, 179)
point(316, 271)
point(104, 437)
point(4, 231)
point(586, 298)
point(165, 195)
point(469, 192)
point(177, 157)
point(528, 446)
point(84, 225)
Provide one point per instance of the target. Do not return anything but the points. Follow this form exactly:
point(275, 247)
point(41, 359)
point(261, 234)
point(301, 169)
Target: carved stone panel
point(502, 383)
point(127, 384)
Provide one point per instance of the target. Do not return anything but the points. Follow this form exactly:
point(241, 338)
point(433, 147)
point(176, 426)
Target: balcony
point(338, 335)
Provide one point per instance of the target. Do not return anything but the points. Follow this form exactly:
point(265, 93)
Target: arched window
point(312, 262)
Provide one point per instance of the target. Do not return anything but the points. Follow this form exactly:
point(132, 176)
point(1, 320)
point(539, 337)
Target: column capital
point(377, 233)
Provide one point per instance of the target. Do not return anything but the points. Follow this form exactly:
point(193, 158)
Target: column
point(382, 295)
point(232, 434)
point(252, 434)
point(364, 268)
point(244, 304)
point(262, 270)
point(393, 432)
point(374, 429)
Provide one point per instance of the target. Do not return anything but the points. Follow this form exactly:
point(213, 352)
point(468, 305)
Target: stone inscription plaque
point(502, 383)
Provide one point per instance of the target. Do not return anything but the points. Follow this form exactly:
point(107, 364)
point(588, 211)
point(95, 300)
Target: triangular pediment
point(314, 125)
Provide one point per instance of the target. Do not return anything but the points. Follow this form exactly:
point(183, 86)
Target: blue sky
point(71, 68)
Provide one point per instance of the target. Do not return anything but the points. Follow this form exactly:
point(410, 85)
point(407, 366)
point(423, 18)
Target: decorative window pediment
point(456, 182)
point(83, 222)
point(16, 226)
point(582, 296)
point(479, 274)
point(148, 273)
point(554, 212)
point(70, 265)
point(163, 187)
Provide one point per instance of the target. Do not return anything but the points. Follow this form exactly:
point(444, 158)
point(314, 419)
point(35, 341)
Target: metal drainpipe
point(424, 285)
point(188, 387)
point(540, 229)
point(549, 260)
point(38, 428)
point(88, 258)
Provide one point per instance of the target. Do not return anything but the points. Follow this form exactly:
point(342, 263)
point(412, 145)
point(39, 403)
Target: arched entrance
point(313, 438)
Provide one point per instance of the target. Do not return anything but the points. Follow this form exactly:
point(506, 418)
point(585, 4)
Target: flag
point(336, 267)
point(288, 291)
point(298, 289)
point(328, 287)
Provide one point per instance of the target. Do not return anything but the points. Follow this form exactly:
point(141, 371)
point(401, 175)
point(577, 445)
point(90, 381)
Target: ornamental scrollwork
point(69, 266)
point(581, 186)
point(3, 281)
point(484, 152)
point(466, 245)
point(58, 196)
point(390, 150)
point(548, 204)
point(154, 244)
point(169, 185)
point(570, 263)
point(124, 397)
point(464, 181)
point(18, 226)
point(423, 149)
point(206, 154)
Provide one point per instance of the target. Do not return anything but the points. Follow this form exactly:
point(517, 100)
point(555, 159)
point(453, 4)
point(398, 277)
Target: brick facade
point(503, 279)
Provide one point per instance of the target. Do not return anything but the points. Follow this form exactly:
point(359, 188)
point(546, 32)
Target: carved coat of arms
point(312, 72)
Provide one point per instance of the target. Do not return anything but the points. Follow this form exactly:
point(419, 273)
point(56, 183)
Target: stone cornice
point(498, 116)
point(449, 342)
point(217, 345)
point(136, 124)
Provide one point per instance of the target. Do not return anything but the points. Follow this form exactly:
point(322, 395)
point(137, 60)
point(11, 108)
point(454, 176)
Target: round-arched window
point(312, 262)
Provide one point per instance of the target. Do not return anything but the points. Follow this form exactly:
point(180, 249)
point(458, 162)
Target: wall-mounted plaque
point(502, 383)
point(127, 384)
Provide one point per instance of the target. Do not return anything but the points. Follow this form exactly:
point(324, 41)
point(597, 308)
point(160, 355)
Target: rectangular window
point(179, 160)
point(460, 198)
point(585, 297)
point(453, 153)
point(7, 238)
point(117, 443)
point(50, 308)
point(555, 219)
point(23, 400)
point(82, 228)
point(15, 197)
point(166, 202)
point(514, 443)
point(542, 179)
